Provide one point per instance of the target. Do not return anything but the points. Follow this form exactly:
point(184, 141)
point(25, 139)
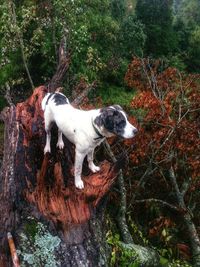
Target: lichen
point(38, 251)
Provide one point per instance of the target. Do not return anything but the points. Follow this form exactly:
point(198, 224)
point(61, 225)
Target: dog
point(85, 129)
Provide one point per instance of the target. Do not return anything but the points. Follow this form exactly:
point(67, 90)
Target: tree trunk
point(43, 187)
point(187, 219)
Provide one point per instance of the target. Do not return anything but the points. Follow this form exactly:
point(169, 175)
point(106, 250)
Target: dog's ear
point(99, 120)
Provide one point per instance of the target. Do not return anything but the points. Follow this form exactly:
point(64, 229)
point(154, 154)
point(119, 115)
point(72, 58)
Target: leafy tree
point(92, 35)
point(189, 13)
point(194, 49)
point(157, 17)
point(118, 9)
point(132, 37)
point(186, 24)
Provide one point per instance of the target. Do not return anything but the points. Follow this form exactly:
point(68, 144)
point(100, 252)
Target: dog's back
point(54, 98)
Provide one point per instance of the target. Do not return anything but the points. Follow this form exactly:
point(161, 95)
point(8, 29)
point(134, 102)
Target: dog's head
point(115, 121)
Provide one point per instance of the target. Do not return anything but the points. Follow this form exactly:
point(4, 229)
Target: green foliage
point(132, 37)
point(177, 62)
point(121, 255)
point(189, 13)
point(157, 18)
point(37, 246)
point(118, 9)
point(3, 102)
point(137, 233)
point(194, 49)
point(175, 263)
point(101, 40)
point(186, 25)
point(112, 95)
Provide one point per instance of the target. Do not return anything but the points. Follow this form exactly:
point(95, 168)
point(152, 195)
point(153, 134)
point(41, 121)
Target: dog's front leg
point(79, 157)
point(90, 158)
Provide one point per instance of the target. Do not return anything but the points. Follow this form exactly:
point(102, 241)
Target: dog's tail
point(45, 100)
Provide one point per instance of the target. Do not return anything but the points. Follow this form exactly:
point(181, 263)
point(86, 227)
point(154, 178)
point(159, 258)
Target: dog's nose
point(135, 131)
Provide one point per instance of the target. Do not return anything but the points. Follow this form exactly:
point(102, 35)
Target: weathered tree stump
point(43, 187)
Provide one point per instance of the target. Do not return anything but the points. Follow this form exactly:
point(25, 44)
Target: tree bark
point(43, 187)
point(187, 219)
point(64, 58)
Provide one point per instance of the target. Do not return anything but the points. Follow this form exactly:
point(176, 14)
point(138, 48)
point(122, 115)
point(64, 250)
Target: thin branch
point(121, 215)
point(178, 193)
point(185, 186)
point(21, 42)
point(155, 200)
point(147, 75)
point(63, 65)
point(141, 182)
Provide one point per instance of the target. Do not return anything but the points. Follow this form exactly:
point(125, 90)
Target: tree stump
point(43, 187)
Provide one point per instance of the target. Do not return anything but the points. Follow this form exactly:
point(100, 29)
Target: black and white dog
point(85, 129)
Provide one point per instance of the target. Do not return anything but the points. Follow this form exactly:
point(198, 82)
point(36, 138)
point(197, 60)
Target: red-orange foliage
point(170, 104)
point(167, 103)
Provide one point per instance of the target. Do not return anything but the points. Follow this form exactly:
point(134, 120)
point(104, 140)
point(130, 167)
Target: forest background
point(145, 56)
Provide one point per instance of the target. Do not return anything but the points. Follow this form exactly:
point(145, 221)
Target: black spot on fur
point(112, 119)
point(49, 98)
point(98, 120)
point(60, 99)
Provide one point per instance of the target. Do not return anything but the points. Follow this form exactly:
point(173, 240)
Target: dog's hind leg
point(48, 125)
point(79, 157)
point(90, 158)
point(48, 141)
point(60, 143)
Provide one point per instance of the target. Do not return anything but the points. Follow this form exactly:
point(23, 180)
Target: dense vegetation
point(144, 55)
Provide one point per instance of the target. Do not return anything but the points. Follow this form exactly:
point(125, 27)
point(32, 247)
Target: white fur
point(77, 126)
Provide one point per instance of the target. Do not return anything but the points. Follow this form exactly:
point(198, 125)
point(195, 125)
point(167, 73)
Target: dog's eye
point(122, 124)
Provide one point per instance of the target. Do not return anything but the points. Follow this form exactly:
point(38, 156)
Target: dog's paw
point(47, 149)
point(94, 168)
point(60, 145)
point(79, 184)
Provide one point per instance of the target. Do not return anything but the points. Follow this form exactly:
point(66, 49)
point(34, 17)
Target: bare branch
point(162, 202)
point(141, 182)
point(63, 65)
point(185, 186)
point(178, 193)
point(121, 215)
